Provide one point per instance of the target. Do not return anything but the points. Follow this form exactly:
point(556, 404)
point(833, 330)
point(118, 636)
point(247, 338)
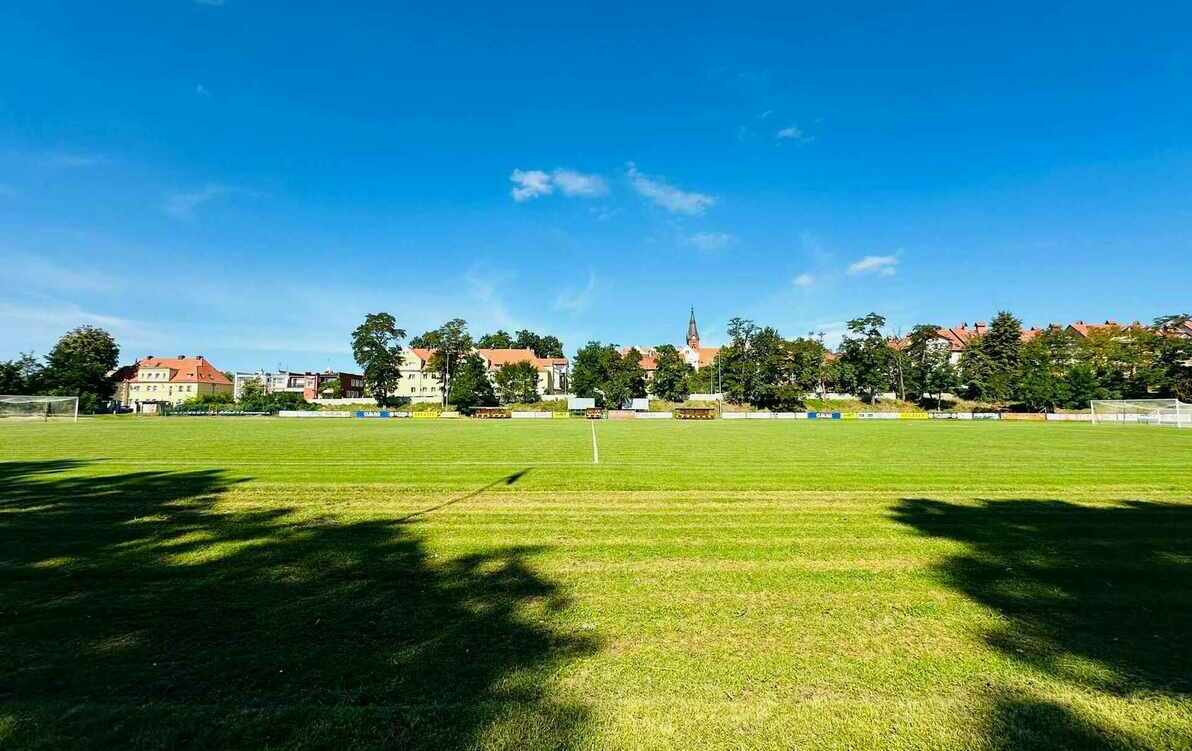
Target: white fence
point(531, 415)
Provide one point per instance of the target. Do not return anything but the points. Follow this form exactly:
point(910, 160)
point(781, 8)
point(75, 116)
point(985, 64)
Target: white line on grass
point(595, 448)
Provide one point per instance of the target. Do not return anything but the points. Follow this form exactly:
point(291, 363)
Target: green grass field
point(273, 584)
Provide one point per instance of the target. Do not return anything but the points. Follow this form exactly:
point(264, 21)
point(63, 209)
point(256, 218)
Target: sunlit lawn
point(214, 583)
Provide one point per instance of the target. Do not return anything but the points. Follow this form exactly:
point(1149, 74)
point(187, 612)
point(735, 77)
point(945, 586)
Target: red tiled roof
point(185, 369)
point(495, 358)
point(707, 355)
point(1084, 329)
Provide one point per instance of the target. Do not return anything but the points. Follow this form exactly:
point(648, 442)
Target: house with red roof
point(155, 381)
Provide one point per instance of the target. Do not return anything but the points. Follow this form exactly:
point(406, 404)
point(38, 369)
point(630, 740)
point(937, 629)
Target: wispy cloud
point(212, 3)
point(794, 133)
point(881, 265)
point(668, 196)
point(485, 286)
point(804, 281)
point(710, 242)
point(577, 300)
point(184, 206)
point(535, 183)
point(202, 91)
point(37, 272)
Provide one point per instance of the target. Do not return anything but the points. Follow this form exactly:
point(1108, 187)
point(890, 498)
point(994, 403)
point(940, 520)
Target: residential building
point(158, 380)
point(310, 384)
point(419, 384)
point(552, 371)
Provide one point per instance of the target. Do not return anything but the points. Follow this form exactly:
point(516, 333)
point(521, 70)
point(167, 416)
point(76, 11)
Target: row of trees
point(1059, 369)
point(78, 365)
point(1055, 368)
point(463, 376)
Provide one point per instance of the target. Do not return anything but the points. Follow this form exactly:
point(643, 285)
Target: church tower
point(692, 333)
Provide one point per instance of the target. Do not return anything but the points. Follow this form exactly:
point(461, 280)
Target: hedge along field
point(199, 583)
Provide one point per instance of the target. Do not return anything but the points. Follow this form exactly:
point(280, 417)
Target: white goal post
point(1142, 411)
point(39, 407)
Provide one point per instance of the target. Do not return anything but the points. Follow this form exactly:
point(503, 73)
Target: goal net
point(1145, 411)
point(39, 407)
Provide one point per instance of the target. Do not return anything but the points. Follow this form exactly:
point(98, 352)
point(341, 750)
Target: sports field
point(269, 584)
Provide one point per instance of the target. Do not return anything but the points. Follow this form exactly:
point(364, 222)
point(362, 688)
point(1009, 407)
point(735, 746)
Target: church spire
point(692, 332)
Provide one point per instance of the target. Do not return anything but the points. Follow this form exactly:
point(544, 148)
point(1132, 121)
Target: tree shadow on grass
point(1099, 597)
point(137, 613)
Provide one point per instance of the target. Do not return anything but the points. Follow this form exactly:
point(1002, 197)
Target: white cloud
point(794, 133)
point(182, 206)
point(536, 183)
point(530, 184)
point(202, 90)
point(882, 265)
point(577, 300)
point(668, 196)
point(804, 280)
point(710, 242)
point(574, 183)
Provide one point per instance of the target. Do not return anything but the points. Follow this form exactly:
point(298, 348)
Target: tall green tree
point(672, 374)
point(452, 344)
point(1123, 360)
point(470, 385)
point(599, 372)
point(807, 359)
point(1043, 380)
point(1173, 366)
point(499, 339)
point(79, 364)
point(376, 347)
point(1172, 323)
point(543, 346)
point(591, 370)
point(1002, 345)
point(865, 357)
point(23, 375)
point(517, 383)
point(627, 379)
point(929, 370)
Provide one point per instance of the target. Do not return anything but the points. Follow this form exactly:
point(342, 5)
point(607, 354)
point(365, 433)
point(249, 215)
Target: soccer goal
point(39, 407)
point(1144, 411)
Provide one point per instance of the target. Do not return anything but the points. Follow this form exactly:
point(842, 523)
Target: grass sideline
point(262, 583)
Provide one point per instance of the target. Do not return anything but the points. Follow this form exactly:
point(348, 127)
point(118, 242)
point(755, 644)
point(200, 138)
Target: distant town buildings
point(154, 381)
point(693, 353)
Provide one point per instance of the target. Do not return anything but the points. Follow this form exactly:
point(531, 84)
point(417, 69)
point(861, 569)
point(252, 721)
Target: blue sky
point(246, 179)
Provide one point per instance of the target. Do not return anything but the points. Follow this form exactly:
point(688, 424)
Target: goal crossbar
point(29, 407)
point(1171, 412)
